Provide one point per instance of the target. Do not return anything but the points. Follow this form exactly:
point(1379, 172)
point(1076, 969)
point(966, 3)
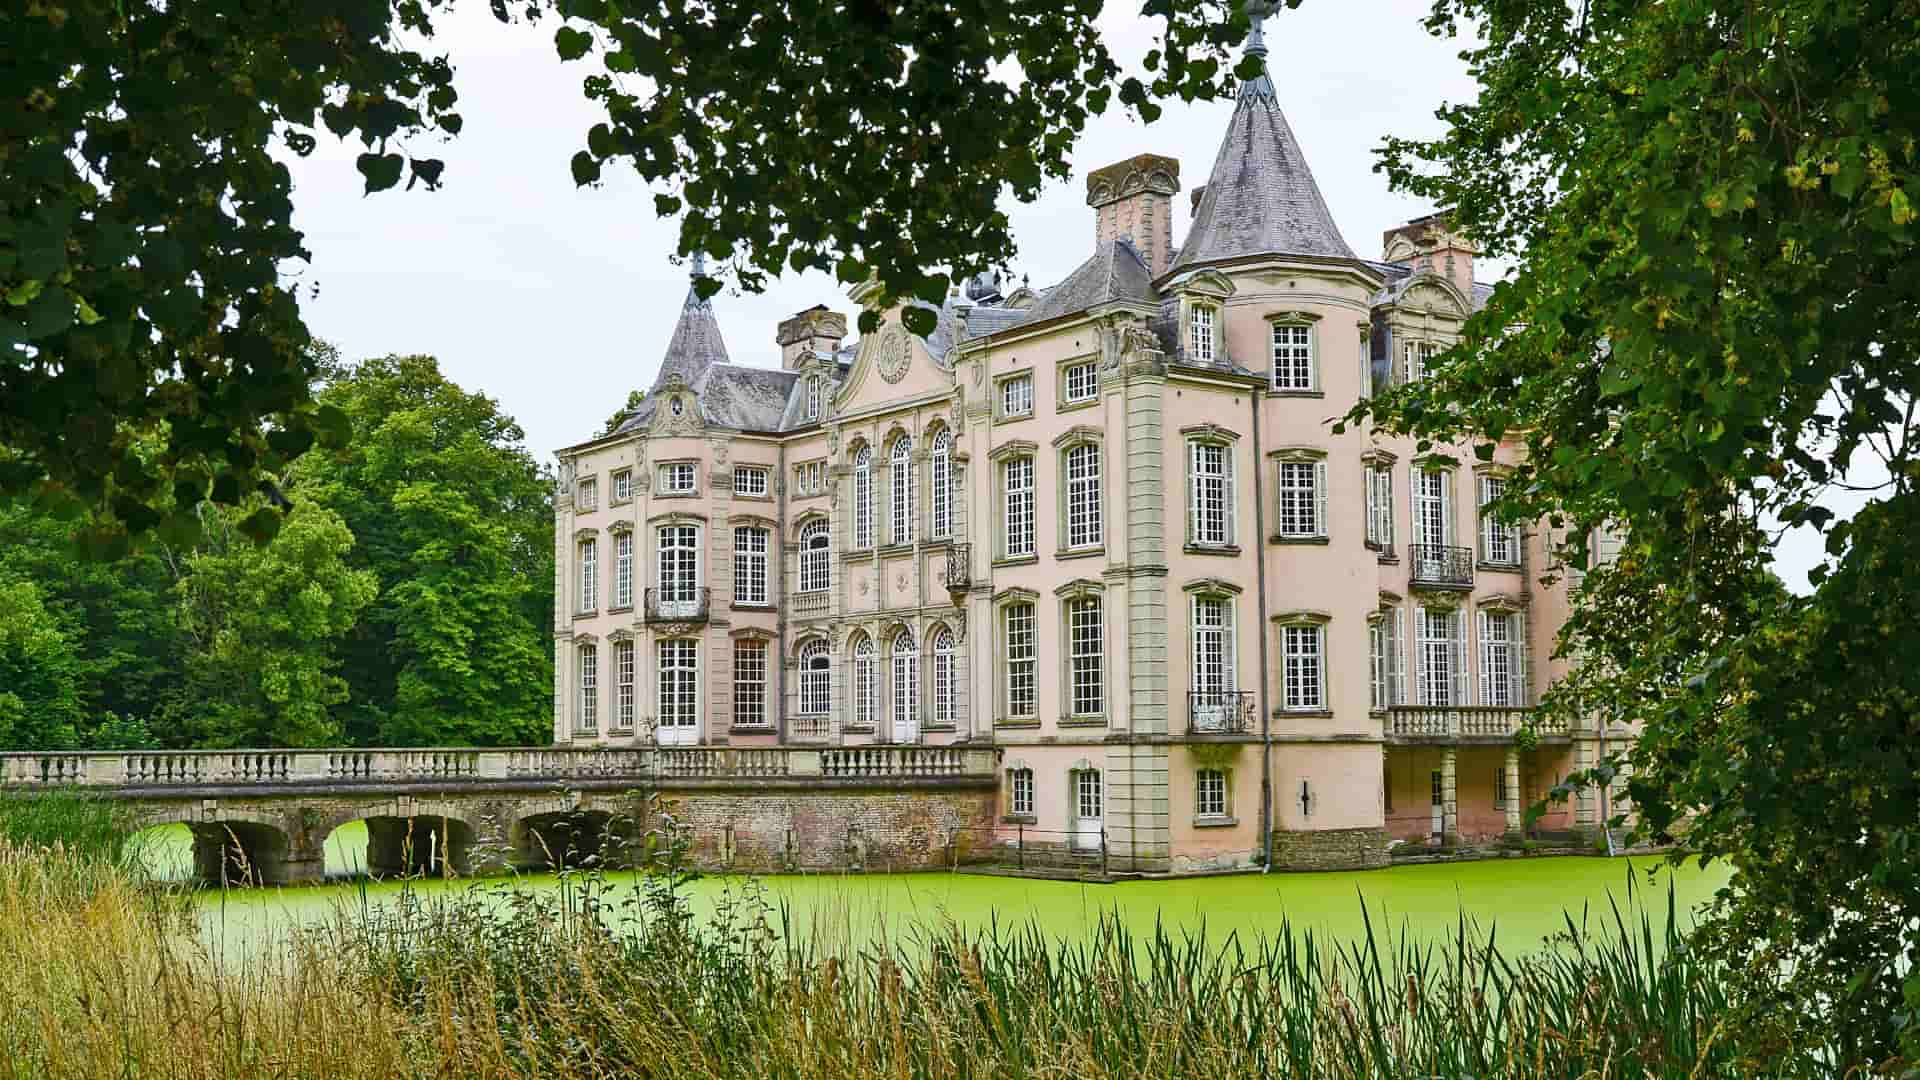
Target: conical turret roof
point(1261, 198)
point(697, 344)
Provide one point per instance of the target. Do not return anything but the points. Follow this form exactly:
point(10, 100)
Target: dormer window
point(1205, 334)
point(811, 409)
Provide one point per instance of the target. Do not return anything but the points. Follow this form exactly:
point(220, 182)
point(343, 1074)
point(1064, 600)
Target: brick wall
point(1330, 849)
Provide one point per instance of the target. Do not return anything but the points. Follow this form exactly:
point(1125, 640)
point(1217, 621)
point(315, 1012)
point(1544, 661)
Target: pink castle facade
point(1105, 528)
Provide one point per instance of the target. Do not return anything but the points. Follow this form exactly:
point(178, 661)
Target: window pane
point(750, 565)
point(1087, 687)
point(1084, 526)
point(1018, 481)
point(1020, 659)
point(749, 682)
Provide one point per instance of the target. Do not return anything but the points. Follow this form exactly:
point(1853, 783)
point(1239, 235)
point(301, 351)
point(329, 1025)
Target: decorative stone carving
point(893, 355)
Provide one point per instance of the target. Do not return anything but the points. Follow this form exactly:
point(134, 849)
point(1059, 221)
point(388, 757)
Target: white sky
point(557, 300)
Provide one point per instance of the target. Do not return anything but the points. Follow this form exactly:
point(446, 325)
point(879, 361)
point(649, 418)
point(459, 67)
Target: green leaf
point(586, 170)
point(572, 44)
point(381, 171)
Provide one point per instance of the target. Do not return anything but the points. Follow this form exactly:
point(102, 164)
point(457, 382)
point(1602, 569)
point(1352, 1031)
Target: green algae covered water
point(1521, 901)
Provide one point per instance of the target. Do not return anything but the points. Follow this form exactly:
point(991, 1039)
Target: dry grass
point(104, 978)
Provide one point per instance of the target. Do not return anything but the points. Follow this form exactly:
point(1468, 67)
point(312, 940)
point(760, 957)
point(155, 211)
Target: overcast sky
point(557, 300)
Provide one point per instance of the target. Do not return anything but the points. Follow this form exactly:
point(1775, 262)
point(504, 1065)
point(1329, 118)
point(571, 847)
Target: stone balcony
point(1467, 724)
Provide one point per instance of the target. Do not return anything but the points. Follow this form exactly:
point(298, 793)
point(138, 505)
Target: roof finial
point(1258, 10)
point(699, 264)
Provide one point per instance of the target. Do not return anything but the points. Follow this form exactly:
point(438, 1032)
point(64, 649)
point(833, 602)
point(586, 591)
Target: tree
point(145, 220)
point(266, 622)
point(455, 519)
point(1710, 329)
point(39, 675)
point(634, 398)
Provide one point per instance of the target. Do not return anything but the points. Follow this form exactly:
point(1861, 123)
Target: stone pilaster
point(1449, 796)
point(1514, 797)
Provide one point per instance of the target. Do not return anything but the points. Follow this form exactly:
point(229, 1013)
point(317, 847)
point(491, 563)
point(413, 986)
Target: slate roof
point(1115, 272)
point(697, 343)
point(1261, 198)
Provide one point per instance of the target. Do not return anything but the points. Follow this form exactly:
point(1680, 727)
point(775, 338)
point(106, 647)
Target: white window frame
point(589, 557)
point(863, 497)
point(587, 665)
point(1380, 506)
point(1210, 487)
point(1379, 670)
point(816, 678)
point(1303, 650)
point(679, 478)
point(1086, 656)
point(816, 557)
point(750, 546)
point(1432, 507)
point(900, 491)
point(1204, 333)
point(946, 679)
point(1016, 483)
point(1302, 490)
point(1016, 395)
point(623, 569)
point(1081, 465)
point(1210, 793)
point(1296, 368)
point(1417, 356)
point(1442, 670)
point(904, 652)
point(1503, 659)
point(812, 406)
point(1080, 382)
point(1499, 542)
point(940, 486)
point(750, 480)
point(587, 496)
point(866, 683)
point(625, 684)
point(750, 682)
point(677, 559)
point(622, 485)
point(1019, 635)
point(1213, 667)
point(1020, 792)
point(679, 689)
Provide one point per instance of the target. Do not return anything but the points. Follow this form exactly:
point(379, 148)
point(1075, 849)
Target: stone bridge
point(264, 815)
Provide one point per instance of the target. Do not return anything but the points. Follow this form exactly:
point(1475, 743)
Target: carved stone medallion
point(894, 354)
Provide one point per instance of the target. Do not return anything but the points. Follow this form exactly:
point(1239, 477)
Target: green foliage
point(265, 621)
point(1710, 329)
point(83, 824)
point(455, 519)
point(144, 221)
point(634, 398)
point(39, 674)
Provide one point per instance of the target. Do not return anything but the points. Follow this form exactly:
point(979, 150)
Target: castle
point(1105, 528)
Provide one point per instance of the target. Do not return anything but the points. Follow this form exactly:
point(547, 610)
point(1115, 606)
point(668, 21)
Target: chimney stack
point(817, 329)
point(1133, 200)
point(1435, 248)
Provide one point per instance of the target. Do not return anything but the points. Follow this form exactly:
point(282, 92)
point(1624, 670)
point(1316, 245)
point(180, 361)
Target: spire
point(697, 344)
point(1261, 198)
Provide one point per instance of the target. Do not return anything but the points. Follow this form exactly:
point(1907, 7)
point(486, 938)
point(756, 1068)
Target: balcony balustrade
point(816, 602)
point(1467, 721)
point(678, 605)
point(1220, 712)
point(1441, 567)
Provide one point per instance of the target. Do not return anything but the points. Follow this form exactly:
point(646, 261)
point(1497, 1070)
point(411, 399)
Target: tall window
point(750, 565)
point(749, 682)
point(1418, 356)
point(1379, 678)
point(1293, 357)
point(623, 686)
point(1303, 498)
point(866, 683)
point(816, 678)
point(1081, 383)
point(863, 497)
point(1021, 656)
point(1213, 660)
point(1086, 672)
point(1443, 672)
point(812, 408)
point(588, 497)
point(1017, 480)
point(589, 575)
point(1302, 648)
point(623, 485)
point(1500, 789)
point(816, 549)
point(1210, 484)
point(1499, 543)
point(1502, 671)
point(679, 564)
point(1016, 396)
point(1204, 335)
point(1380, 505)
point(1084, 527)
point(679, 683)
point(589, 668)
point(749, 480)
point(1432, 508)
point(1210, 793)
point(677, 478)
point(906, 680)
point(807, 477)
point(623, 570)
point(900, 490)
point(1020, 792)
point(941, 467)
point(946, 679)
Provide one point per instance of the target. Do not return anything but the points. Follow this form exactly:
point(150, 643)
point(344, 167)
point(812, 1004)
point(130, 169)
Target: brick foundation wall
point(1330, 849)
point(877, 830)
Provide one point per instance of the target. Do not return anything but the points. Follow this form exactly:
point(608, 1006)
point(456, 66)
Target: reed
point(594, 980)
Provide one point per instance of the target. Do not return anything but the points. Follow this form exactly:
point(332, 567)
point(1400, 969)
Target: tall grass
point(591, 980)
point(77, 821)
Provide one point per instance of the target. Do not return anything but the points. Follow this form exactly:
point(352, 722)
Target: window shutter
point(1373, 505)
point(1457, 645)
point(1320, 498)
point(1486, 660)
point(1229, 660)
point(1228, 496)
point(1446, 509)
point(1313, 358)
point(1386, 507)
point(1397, 658)
point(1193, 492)
point(1522, 690)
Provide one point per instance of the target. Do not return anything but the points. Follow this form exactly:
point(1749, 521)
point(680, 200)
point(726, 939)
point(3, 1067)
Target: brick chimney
point(816, 329)
point(1428, 244)
point(1133, 200)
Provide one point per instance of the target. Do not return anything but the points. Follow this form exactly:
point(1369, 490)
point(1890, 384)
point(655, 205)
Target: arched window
point(906, 685)
point(900, 489)
point(866, 690)
point(816, 678)
point(816, 551)
point(941, 493)
point(946, 703)
point(863, 497)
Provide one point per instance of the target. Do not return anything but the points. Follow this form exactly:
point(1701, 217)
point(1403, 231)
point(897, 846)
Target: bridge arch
point(412, 837)
point(235, 846)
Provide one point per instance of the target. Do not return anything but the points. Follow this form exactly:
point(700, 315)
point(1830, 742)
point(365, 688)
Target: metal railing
point(1452, 721)
point(1081, 854)
point(1220, 712)
point(678, 605)
point(1446, 566)
point(959, 567)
